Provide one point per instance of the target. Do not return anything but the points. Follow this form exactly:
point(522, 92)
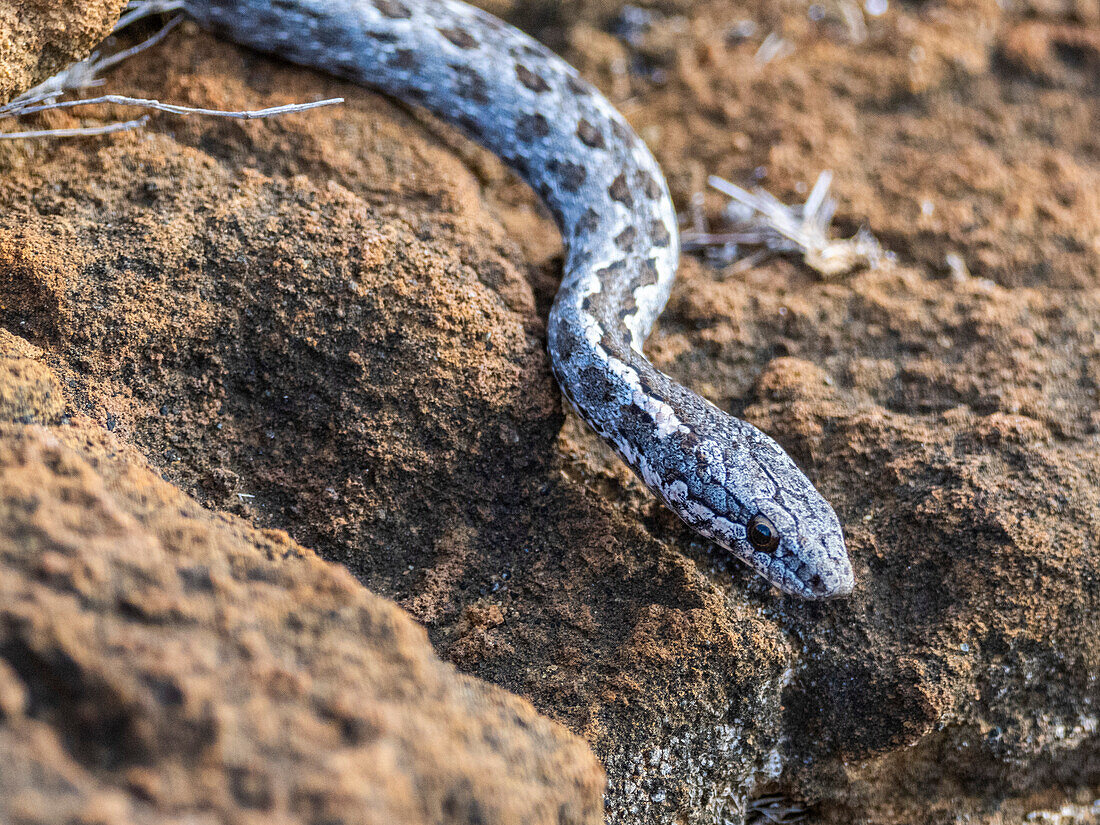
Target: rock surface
point(332, 324)
point(159, 661)
point(38, 38)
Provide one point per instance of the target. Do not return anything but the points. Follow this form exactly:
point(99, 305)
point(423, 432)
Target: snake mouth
point(820, 587)
point(800, 579)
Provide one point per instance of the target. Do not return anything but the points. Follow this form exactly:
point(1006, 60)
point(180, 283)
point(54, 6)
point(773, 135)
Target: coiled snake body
point(724, 477)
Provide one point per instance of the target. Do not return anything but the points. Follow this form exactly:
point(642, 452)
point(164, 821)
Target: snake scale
point(724, 477)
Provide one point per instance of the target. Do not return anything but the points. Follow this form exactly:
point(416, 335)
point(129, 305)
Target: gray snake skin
point(724, 477)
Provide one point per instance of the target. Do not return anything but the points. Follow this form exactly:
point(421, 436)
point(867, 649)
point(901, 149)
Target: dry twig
point(759, 219)
point(85, 74)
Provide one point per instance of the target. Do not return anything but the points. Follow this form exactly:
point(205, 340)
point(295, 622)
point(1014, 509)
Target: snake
point(725, 478)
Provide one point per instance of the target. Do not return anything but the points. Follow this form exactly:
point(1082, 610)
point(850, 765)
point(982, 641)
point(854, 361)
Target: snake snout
point(832, 579)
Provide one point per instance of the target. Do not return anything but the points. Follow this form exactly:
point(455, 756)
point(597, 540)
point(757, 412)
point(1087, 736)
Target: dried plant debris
point(86, 74)
point(774, 47)
point(758, 219)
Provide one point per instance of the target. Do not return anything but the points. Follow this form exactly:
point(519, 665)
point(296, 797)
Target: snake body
point(724, 477)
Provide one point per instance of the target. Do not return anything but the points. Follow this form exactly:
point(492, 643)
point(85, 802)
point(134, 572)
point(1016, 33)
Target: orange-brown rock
point(159, 661)
point(38, 38)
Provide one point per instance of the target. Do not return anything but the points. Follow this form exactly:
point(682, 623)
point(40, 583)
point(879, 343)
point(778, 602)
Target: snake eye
point(762, 534)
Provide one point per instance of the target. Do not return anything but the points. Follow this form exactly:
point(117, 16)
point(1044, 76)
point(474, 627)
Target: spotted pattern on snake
point(724, 477)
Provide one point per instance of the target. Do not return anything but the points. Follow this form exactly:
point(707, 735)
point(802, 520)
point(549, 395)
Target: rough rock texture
point(38, 38)
point(325, 324)
point(159, 661)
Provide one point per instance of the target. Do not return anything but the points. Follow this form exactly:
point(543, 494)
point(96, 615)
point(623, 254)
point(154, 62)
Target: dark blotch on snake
point(530, 127)
point(404, 59)
point(648, 185)
point(460, 37)
point(659, 232)
point(625, 239)
point(392, 9)
point(619, 191)
point(590, 135)
point(611, 270)
point(531, 80)
point(570, 175)
point(578, 86)
point(589, 222)
point(470, 125)
point(470, 85)
point(623, 133)
point(379, 37)
point(647, 272)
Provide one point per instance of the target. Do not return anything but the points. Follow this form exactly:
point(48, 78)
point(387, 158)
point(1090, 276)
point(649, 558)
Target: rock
point(38, 38)
point(29, 390)
point(159, 660)
point(323, 323)
point(1034, 47)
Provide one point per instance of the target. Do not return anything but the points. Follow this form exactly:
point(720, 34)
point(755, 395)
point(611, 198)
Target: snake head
point(797, 544)
point(747, 495)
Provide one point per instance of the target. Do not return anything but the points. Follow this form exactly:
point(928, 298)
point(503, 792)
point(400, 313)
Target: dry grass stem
point(759, 219)
point(85, 74)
